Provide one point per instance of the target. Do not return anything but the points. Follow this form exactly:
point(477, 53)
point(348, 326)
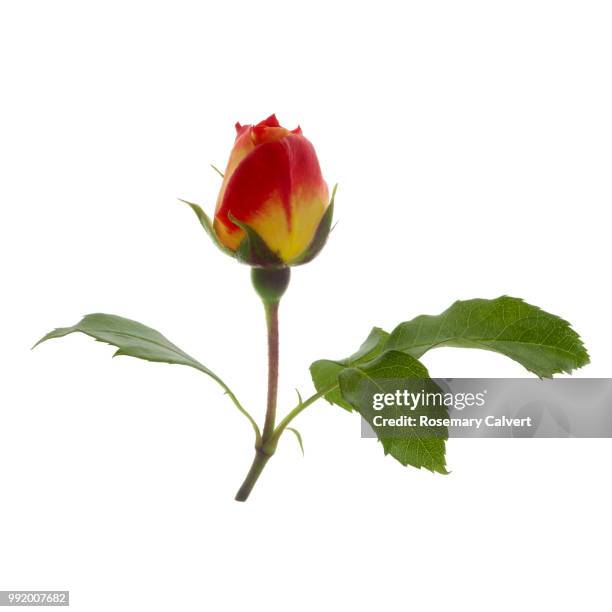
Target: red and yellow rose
point(273, 187)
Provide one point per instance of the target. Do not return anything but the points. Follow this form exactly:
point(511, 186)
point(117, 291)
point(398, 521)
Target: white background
point(471, 142)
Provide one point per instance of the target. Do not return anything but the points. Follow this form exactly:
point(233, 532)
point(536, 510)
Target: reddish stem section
point(263, 454)
point(272, 323)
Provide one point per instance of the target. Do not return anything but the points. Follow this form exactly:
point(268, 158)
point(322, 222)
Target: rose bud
point(273, 209)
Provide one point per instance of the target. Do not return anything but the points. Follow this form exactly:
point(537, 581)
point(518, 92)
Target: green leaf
point(393, 371)
point(207, 225)
point(137, 340)
point(253, 249)
point(321, 234)
point(131, 338)
point(325, 371)
point(543, 343)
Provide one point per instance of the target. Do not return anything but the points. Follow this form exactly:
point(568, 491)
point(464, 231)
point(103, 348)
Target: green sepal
point(208, 226)
point(253, 249)
point(320, 237)
point(217, 170)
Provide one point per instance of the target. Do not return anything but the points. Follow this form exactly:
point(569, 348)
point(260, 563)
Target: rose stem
point(270, 284)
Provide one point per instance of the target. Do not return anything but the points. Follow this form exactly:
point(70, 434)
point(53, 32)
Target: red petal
point(270, 121)
point(261, 134)
point(282, 168)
